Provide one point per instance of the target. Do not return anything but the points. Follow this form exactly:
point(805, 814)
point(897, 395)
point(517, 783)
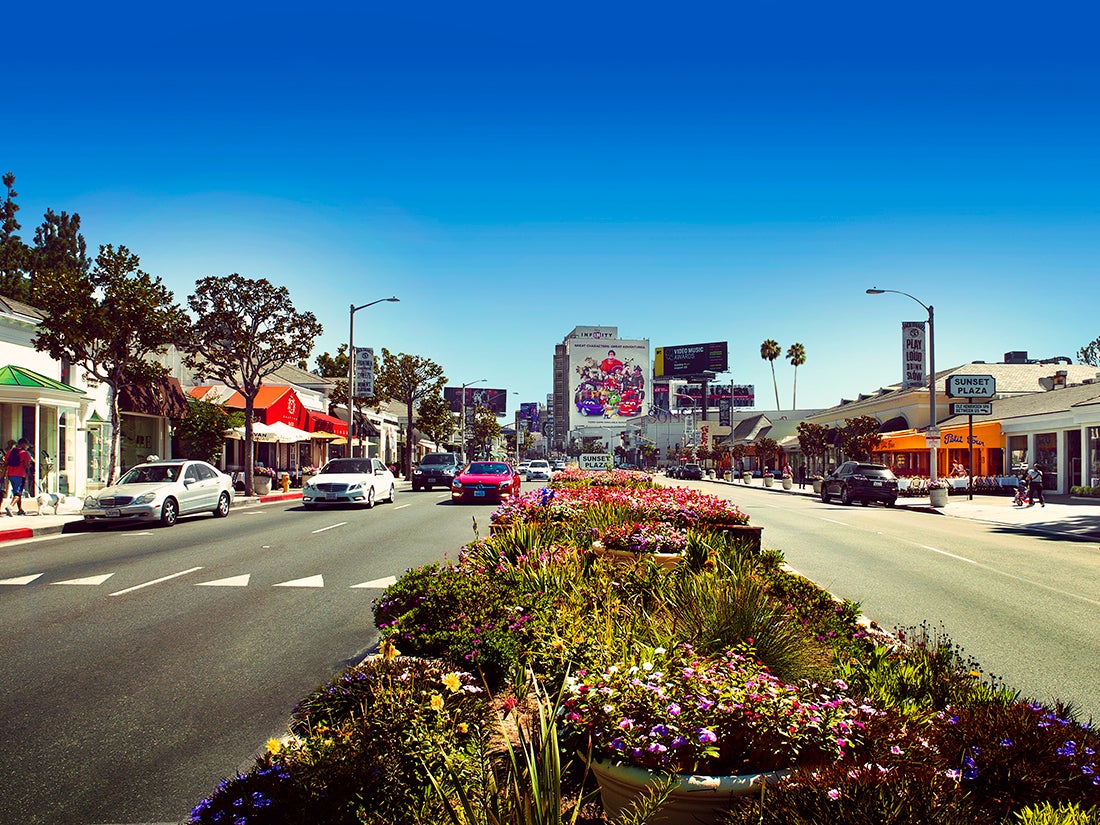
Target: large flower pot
point(788, 483)
point(261, 484)
point(817, 486)
point(938, 497)
point(746, 477)
point(768, 481)
point(695, 800)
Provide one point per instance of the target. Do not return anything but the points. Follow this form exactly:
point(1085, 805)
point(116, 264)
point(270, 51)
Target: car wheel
point(222, 510)
point(845, 495)
point(370, 498)
point(890, 502)
point(416, 488)
point(393, 495)
point(169, 512)
point(824, 494)
point(864, 502)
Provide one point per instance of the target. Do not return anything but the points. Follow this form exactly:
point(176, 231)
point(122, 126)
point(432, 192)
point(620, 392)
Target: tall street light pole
point(932, 430)
point(351, 369)
point(462, 429)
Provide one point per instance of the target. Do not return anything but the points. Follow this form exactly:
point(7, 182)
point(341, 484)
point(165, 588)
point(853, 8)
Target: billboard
point(529, 414)
point(364, 372)
point(912, 354)
point(608, 381)
point(690, 359)
point(495, 400)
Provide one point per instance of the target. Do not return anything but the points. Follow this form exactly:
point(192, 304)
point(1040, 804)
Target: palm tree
point(796, 354)
point(769, 351)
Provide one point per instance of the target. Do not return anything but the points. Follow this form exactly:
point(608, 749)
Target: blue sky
point(687, 172)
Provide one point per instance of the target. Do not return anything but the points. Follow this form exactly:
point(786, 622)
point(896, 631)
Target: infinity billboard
point(608, 380)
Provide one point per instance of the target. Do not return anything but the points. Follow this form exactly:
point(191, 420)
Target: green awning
point(12, 376)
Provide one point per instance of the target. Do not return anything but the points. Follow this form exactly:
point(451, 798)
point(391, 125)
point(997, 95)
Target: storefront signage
point(971, 386)
point(595, 461)
point(953, 438)
point(912, 354)
point(967, 408)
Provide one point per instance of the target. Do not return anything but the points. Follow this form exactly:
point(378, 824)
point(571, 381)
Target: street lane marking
point(310, 581)
point(331, 527)
point(376, 584)
point(138, 535)
point(834, 521)
point(89, 581)
point(402, 506)
point(945, 553)
point(232, 581)
point(155, 581)
point(22, 579)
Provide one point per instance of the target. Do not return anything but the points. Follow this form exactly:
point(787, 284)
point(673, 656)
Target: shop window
point(1046, 454)
point(1094, 456)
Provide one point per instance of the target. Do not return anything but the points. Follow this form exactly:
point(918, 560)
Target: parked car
point(539, 470)
point(162, 491)
point(485, 481)
point(693, 471)
point(361, 481)
point(435, 469)
point(861, 481)
point(521, 468)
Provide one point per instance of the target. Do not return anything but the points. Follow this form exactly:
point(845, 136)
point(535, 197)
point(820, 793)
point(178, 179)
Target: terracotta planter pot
point(696, 800)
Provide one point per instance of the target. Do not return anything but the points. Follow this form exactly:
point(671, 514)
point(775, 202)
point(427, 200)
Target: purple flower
point(677, 742)
point(658, 730)
point(705, 736)
point(673, 709)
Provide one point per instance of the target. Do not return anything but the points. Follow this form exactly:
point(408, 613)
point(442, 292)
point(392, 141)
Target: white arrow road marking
point(331, 527)
point(89, 581)
point(232, 581)
point(22, 579)
point(376, 583)
point(311, 581)
point(155, 581)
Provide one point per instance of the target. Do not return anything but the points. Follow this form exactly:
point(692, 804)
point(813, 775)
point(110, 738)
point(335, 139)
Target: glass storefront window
point(1093, 456)
point(1017, 453)
point(1046, 455)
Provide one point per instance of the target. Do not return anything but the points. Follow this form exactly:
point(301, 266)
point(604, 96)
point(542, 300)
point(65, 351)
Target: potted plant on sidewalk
point(937, 492)
point(262, 478)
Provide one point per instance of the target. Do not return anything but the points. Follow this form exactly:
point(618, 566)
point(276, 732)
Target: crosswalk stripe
point(22, 579)
point(310, 581)
point(232, 581)
point(89, 581)
point(376, 583)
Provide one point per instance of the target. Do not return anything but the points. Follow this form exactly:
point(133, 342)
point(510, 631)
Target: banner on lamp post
point(912, 354)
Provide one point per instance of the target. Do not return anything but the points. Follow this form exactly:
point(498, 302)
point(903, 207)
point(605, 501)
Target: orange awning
point(987, 435)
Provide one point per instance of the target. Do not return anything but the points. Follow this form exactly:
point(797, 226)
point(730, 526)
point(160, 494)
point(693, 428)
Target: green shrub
point(1047, 814)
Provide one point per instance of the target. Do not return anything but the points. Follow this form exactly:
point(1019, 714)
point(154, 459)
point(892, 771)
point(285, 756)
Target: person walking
point(17, 462)
point(802, 477)
point(1035, 485)
point(5, 484)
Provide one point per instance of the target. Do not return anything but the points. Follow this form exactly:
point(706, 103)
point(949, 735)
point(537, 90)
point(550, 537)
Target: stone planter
point(746, 477)
point(768, 481)
point(788, 483)
point(695, 800)
point(261, 485)
point(938, 497)
point(817, 486)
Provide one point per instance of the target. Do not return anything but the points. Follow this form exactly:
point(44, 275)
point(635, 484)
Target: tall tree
point(435, 419)
point(796, 354)
point(813, 439)
point(860, 436)
point(201, 430)
point(769, 351)
point(244, 330)
point(1090, 353)
point(112, 323)
point(59, 252)
point(486, 428)
point(13, 252)
point(407, 378)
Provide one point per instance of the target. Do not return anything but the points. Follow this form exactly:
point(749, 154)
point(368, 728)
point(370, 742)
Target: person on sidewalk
point(1035, 485)
point(802, 477)
point(18, 461)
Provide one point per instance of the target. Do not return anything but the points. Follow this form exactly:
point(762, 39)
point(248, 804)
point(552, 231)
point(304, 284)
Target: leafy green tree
point(59, 253)
point(244, 330)
point(860, 436)
point(435, 419)
point(202, 429)
point(112, 323)
point(813, 439)
point(14, 253)
point(407, 378)
point(486, 428)
point(796, 354)
point(767, 449)
point(1090, 353)
point(769, 351)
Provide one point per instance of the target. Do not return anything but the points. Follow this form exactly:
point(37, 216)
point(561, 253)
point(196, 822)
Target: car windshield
point(347, 465)
point(151, 474)
point(539, 464)
point(875, 471)
point(437, 459)
point(482, 469)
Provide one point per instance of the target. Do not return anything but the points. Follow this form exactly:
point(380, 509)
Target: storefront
point(907, 454)
point(145, 416)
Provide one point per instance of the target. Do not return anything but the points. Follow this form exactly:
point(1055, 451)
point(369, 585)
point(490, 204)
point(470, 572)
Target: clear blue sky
point(686, 172)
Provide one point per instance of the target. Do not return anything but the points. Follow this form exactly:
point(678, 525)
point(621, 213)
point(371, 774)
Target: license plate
point(877, 483)
point(330, 496)
point(114, 514)
point(479, 493)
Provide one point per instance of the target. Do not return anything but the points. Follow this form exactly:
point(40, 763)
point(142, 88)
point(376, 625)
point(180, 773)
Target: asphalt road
point(142, 666)
point(1023, 605)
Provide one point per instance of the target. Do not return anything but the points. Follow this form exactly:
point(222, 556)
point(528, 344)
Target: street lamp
point(931, 378)
point(351, 369)
point(692, 398)
point(462, 446)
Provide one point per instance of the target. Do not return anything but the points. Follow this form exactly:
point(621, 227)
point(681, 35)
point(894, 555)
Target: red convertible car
point(485, 481)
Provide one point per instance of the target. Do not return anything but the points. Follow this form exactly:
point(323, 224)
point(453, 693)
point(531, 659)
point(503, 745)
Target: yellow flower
point(462, 727)
point(437, 702)
point(274, 746)
point(453, 682)
point(388, 650)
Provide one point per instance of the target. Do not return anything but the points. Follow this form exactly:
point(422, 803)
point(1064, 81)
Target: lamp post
point(692, 433)
point(932, 464)
point(351, 370)
point(462, 429)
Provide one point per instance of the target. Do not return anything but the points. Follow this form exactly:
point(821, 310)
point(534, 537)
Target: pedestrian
point(17, 462)
point(802, 477)
point(1035, 485)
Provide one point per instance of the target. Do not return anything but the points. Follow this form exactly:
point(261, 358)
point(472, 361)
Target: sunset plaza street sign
point(971, 386)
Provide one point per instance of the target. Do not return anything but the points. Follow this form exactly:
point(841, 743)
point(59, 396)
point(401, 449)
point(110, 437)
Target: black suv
point(861, 481)
point(436, 468)
point(691, 471)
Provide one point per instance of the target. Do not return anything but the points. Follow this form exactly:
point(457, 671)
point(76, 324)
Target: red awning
point(325, 423)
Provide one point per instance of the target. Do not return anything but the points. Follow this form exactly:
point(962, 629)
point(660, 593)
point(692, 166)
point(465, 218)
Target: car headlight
point(145, 498)
point(357, 486)
point(456, 484)
point(91, 503)
point(418, 472)
point(504, 485)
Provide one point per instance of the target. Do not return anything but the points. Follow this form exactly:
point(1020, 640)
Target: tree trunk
point(112, 462)
point(409, 438)
point(248, 401)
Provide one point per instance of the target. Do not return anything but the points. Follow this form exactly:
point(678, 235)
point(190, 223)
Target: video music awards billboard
point(495, 400)
point(609, 381)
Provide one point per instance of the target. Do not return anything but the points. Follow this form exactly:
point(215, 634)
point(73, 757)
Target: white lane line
point(834, 521)
point(402, 506)
point(376, 584)
point(945, 553)
point(89, 581)
point(138, 535)
point(232, 581)
point(310, 581)
point(22, 579)
point(331, 527)
point(155, 581)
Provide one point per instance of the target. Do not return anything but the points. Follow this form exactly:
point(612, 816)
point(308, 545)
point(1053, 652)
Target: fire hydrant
point(284, 482)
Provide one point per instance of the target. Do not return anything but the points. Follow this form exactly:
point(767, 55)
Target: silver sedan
point(162, 491)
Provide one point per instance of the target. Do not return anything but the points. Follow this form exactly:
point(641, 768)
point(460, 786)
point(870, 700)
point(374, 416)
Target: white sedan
point(362, 481)
point(162, 491)
point(539, 469)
